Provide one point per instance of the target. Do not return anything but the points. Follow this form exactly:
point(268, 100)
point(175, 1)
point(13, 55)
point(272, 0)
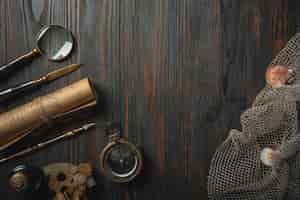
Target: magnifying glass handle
point(18, 62)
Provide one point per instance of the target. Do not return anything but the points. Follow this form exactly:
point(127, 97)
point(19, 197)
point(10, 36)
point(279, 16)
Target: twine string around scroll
point(46, 117)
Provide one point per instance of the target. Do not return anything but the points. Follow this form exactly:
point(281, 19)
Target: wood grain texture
point(176, 73)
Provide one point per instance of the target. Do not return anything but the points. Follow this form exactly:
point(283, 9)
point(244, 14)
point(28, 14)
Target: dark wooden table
point(176, 73)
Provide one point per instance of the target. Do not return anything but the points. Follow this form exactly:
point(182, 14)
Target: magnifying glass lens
point(55, 42)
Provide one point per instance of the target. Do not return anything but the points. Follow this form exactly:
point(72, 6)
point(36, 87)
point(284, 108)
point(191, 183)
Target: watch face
point(122, 160)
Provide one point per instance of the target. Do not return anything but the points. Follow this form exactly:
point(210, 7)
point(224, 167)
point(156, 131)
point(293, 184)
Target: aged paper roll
point(20, 121)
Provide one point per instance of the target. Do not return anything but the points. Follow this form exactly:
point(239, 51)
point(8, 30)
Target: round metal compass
point(120, 160)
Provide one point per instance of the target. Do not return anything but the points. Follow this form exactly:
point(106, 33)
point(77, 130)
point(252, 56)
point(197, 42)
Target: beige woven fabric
point(237, 171)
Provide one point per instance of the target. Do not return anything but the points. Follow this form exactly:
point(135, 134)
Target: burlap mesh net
point(237, 170)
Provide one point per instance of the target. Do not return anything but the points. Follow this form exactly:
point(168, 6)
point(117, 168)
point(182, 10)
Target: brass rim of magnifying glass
point(38, 50)
point(106, 170)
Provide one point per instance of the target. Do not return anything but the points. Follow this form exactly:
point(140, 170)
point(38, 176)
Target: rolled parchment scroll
point(19, 122)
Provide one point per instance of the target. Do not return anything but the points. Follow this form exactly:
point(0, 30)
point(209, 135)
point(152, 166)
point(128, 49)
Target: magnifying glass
point(53, 41)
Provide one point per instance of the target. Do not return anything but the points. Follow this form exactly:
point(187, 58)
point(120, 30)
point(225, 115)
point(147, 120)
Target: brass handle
point(18, 62)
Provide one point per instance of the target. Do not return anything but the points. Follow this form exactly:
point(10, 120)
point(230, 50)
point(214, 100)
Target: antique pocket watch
point(120, 160)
